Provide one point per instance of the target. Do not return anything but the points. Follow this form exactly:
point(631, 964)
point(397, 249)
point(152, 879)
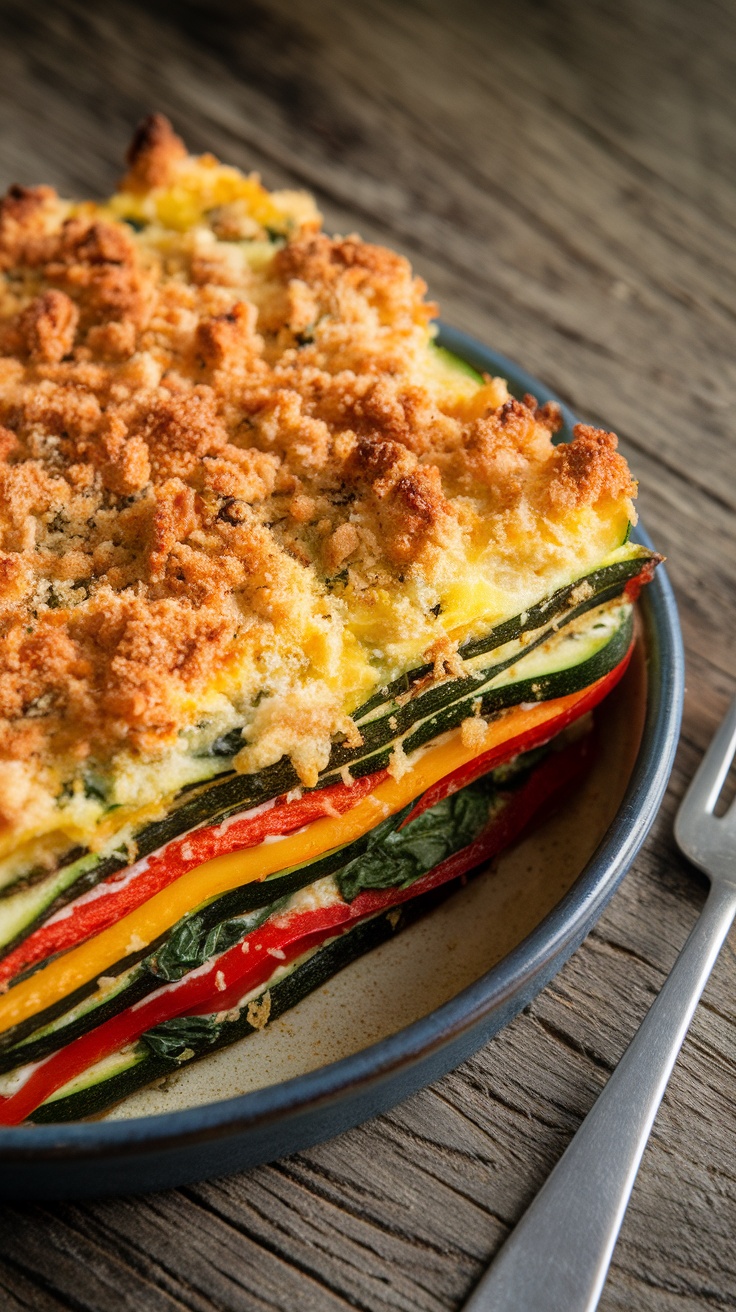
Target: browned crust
point(152, 155)
point(587, 470)
point(179, 464)
point(47, 326)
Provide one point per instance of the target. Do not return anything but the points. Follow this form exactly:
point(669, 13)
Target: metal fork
point(558, 1256)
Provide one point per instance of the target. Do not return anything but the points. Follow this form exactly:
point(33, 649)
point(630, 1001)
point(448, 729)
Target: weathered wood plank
point(562, 176)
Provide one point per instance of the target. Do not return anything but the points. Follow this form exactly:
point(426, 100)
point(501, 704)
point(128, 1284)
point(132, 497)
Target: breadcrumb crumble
point(236, 487)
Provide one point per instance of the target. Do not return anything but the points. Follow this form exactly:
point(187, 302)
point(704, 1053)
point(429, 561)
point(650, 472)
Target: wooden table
point(562, 174)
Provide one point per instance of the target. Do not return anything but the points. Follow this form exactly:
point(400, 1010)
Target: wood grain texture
point(562, 175)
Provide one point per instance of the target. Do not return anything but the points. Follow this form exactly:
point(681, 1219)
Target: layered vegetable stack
point(301, 618)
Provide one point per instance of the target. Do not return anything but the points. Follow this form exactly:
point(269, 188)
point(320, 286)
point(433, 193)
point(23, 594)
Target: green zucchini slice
point(583, 653)
point(162, 1051)
point(446, 362)
point(495, 679)
point(380, 859)
point(574, 660)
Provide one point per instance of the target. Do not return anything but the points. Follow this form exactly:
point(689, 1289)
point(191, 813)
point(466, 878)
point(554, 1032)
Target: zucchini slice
point(204, 933)
point(403, 713)
point(162, 1051)
point(448, 365)
point(574, 659)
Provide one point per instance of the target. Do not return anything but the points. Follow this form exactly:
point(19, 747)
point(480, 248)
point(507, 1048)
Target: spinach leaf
point(399, 856)
point(193, 941)
point(183, 1034)
point(392, 858)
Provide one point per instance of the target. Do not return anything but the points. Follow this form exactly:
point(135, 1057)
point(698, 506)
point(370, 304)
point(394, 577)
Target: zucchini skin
point(37, 1049)
point(607, 583)
point(448, 700)
point(332, 958)
point(454, 363)
point(253, 896)
point(539, 688)
point(217, 800)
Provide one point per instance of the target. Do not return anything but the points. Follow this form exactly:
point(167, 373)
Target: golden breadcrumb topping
point(239, 485)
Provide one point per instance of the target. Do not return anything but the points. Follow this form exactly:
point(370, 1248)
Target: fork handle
point(557, 1258)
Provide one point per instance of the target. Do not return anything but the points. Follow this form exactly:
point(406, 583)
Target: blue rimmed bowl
point(222, 1134)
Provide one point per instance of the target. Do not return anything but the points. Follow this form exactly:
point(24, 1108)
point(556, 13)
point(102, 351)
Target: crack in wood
point(268, 1244)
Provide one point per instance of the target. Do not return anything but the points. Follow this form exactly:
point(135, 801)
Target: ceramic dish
point(415, 1008)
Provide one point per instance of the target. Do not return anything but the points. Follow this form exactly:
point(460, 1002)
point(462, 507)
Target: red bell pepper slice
point(503, 752)
point(645, 575)
point(224, 981)
point(127, 889)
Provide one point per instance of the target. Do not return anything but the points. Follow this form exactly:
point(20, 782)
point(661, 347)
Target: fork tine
point(703, 793)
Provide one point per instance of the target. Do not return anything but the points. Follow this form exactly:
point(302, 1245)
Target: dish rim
point(556, 935)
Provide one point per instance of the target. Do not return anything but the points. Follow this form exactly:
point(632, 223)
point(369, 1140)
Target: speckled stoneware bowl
point(419, 1005)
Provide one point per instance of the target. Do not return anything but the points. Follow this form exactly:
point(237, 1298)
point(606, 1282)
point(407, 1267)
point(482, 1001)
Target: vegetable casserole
point(303, 619)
